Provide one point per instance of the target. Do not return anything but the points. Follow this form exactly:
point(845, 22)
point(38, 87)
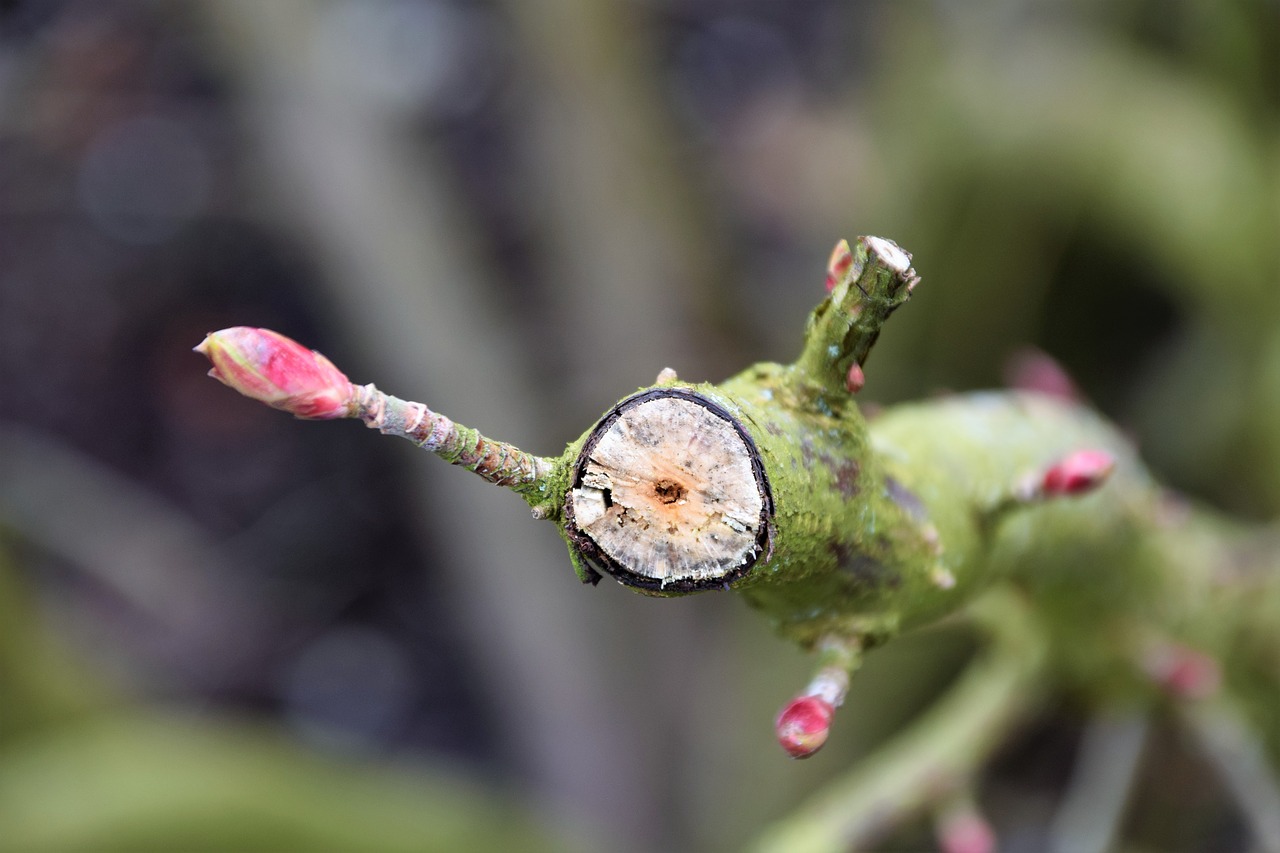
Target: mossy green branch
point(865, 285)
point(839, 543)
point(843, 533)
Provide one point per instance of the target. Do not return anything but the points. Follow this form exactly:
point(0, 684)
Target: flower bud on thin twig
point(276, 370)
point(1081, 472)
point(855, 379)
point(1029, 369)
point(803, 725)
point(966, 831)
point(839, 264)
point(1182, 671)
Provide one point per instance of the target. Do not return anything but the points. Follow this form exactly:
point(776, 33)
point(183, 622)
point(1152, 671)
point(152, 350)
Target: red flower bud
point(803, 725)
point(1183, 672)
point(1029, 369)
point(967, 832)
point(1081, 472)
point(839, 264)
point(268, 367)
point(856, 378)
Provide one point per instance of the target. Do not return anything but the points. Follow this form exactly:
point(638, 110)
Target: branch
point(495, 461)
point(273, 369)
point(841, 534)
point(864, 287)
point(940, 751)
point(805, 722)
point(769, 483)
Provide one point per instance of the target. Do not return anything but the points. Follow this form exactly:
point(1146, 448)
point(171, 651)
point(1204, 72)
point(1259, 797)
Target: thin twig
point(938, 753)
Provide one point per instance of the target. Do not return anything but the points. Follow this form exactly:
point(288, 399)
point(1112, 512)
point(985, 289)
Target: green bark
point(876, 528)
point(865, 539)
point(1129, 595)
point(846, 542)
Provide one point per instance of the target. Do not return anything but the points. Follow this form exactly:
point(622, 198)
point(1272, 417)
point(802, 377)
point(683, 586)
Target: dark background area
point(223, 628)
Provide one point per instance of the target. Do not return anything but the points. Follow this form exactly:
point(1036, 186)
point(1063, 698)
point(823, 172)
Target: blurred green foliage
point(81, 771)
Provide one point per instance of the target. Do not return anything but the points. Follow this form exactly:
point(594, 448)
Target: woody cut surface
point(668, 490)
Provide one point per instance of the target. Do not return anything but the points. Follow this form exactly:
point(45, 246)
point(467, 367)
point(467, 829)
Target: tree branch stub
point(842, 533)
point(866, 285)
point(669, 494)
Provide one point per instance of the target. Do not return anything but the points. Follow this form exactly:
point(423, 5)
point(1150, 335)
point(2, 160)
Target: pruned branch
point(865, 286)
point(1026, 510)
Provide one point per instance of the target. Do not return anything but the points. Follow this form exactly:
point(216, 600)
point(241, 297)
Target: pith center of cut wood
point(668, 490)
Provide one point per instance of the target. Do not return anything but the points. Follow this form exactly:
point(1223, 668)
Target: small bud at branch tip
point(856, 378)
point(803, 725)
point(1078, 473)
point(968, 832)
point(839, 264)
point(268, 367)
point(1029, 369)
point(1183, 672)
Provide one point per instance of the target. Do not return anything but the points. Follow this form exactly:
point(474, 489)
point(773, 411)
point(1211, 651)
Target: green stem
point(496, 461)
point(844, 533)
point(844, 327)
point(939, 752)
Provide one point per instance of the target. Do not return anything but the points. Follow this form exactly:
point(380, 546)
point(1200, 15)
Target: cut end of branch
point(890, 253)
point(866, 283)
point(669, 495)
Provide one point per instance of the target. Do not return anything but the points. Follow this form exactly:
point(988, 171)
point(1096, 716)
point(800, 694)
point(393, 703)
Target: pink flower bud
point(856, 378)
point(839, 264)
point(803, 725)
point(1183, 672)
point(966, 832)
point(268, 367)
point(1029, 369)
point(1081, 472)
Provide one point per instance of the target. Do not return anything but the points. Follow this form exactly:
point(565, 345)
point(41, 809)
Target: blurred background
point(224, 629)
